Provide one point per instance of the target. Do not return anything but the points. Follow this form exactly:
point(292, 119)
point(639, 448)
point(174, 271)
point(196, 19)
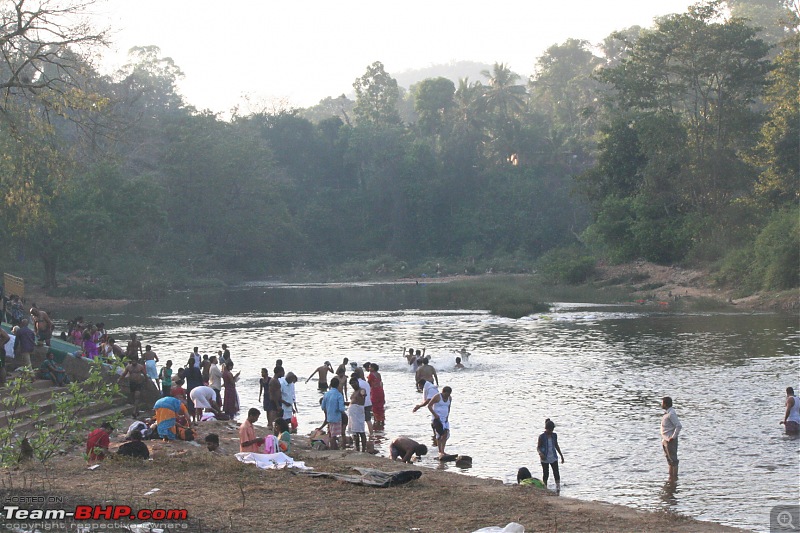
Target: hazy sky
point(302, 51)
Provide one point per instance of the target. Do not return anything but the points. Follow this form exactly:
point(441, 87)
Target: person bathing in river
point(459, 366)
point(376, 395)
point(439, 406)
point(427, 372)
point(670, 428)
point(409, 356)
point(791, 418)
point(322, 384)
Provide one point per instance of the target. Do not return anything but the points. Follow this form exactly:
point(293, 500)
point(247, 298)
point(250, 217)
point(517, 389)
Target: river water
point(597, 371)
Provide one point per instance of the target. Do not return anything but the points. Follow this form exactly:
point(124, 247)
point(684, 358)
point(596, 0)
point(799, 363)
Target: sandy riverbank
point(221, 494)
point(646, 281)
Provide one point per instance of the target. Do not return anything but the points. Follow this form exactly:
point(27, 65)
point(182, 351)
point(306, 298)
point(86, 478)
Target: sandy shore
point(221, 494)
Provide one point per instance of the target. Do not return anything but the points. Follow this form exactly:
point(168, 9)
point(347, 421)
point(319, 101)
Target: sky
point(297, 52)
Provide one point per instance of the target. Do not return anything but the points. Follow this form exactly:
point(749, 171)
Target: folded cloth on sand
point(372, 478)
point(270, 461)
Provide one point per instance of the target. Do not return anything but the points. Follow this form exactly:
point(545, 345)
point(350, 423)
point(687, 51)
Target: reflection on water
point(598, 372)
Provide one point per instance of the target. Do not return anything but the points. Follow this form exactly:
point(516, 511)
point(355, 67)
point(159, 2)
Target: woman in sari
point(376, 395)
point(230, 405)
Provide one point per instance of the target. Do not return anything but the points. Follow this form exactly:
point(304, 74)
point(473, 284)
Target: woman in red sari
point(230, 404)
point(376, 395)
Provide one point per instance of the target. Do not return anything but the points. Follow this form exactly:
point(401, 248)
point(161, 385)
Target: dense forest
point(677, 144)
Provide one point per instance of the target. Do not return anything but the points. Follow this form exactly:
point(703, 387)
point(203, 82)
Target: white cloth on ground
point(270, 461)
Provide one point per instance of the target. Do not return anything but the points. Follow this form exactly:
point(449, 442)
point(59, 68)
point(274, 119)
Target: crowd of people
point(353, 405)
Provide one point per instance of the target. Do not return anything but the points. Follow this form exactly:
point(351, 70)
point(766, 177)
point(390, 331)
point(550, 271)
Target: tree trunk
point(49, 263)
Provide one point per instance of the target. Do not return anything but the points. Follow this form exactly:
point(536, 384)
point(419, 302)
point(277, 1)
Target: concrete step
point(101, 416)
point(29, 425)
point(39, 409)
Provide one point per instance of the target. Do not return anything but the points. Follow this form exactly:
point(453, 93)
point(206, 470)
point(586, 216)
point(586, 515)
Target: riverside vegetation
point(115, 186)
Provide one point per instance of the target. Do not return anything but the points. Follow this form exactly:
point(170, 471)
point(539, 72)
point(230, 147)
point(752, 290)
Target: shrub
point(777, 252)
point(570, 266)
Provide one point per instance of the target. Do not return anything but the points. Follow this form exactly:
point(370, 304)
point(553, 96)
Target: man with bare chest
point(42, 325)
point(135, 373)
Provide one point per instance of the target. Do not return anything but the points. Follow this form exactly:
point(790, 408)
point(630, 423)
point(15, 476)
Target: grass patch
point(518, 296)
point(507, 296)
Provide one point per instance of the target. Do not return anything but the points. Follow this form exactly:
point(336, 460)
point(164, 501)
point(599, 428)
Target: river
point(598, 371)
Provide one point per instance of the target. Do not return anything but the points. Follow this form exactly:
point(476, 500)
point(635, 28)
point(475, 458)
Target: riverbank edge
point(641, 281)
point(438, 501)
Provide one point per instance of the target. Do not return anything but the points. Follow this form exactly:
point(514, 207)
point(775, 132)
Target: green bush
point(777, 252)
point(734, 270)
point(502, 296)
point(569, 266)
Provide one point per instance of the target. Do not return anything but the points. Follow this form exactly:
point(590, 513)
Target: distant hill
point(452, 71)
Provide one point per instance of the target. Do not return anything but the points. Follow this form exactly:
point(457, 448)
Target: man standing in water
point(439, 407)
point(323, 376)
point(427, 372)
point(670, 428)
point(791, 419)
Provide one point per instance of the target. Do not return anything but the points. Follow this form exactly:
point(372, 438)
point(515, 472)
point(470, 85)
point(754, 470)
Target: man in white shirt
point(367, 401)
point(670, 428)
point(215, 378)
point(287, 395)
point(196, 356)
point(429, 390)
point(203, 398)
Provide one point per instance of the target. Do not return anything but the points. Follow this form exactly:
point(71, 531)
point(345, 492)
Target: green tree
point(433, 102)
point(502, 101)
point(777, 154)
point(377, 96)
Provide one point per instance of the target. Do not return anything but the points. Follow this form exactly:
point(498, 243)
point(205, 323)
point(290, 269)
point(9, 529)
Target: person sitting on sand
point(404, 448)
point(212, 443)
point(134, 447)
point(248, 442)
point(168, 410)
point(97, 443)
point(282, 433)
point(525, 478)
